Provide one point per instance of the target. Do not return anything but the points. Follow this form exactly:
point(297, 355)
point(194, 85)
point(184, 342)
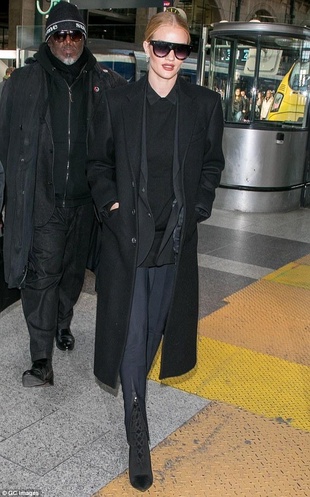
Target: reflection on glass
point(292, 94)
point(265, 80)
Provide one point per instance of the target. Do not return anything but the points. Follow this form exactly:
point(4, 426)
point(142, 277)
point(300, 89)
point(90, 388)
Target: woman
point(238, 106)
point(155, 160)
point(266, 105)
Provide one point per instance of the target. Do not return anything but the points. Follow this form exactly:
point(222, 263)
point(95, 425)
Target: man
point(45, 110)
point(8, 73)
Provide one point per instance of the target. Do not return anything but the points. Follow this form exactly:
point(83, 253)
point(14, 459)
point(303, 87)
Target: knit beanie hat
point(64, 16)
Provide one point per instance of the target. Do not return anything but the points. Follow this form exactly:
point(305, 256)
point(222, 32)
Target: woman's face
point(165, 67)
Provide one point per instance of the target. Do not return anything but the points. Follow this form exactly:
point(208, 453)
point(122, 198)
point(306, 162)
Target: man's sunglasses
point(163, 48)
point(61, 36)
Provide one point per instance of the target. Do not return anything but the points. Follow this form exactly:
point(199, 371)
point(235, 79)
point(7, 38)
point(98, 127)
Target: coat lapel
point(188, 111)
point(132, 110)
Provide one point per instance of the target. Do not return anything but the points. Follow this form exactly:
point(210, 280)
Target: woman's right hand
point(114, 206)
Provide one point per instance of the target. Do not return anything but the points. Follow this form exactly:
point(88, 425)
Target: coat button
point(143, 189)
point(149, 214)
point(133, 212)
point(134, 241)
point(133, 184)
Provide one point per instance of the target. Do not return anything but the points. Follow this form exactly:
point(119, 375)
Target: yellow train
point(292, 94)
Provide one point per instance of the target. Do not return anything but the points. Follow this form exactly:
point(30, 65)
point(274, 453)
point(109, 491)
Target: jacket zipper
point(69, 136)
point(69, 145)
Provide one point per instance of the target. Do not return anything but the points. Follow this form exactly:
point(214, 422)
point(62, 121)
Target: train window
point(219, 69)
point(228, 77)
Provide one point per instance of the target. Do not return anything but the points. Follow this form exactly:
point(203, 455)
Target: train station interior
point(238, 424)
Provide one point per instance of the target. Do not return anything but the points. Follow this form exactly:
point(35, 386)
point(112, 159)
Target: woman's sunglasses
point(61, 36)
point(163, 48)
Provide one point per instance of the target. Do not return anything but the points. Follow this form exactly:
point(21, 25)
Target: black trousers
point(150, 307)
point(55, 275)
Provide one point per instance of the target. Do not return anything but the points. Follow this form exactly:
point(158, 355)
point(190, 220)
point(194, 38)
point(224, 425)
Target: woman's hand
point(114, 206)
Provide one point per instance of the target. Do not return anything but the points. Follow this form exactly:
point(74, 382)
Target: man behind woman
point(155, 160)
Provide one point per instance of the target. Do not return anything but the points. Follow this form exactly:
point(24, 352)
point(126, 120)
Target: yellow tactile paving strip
point(262, 384)
point(294, 274)
point(253, 356)
point(224, 451)
point(267, 317)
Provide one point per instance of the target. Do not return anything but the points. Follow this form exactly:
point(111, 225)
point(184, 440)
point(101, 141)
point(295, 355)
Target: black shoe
point(64, 339)
point(140, 468)
point(41, 373)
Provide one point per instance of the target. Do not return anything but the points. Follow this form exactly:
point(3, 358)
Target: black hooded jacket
point(28, 150)
point(67, 94)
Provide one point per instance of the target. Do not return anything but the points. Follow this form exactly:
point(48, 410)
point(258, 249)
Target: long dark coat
point(27, 155)
point(114, 173)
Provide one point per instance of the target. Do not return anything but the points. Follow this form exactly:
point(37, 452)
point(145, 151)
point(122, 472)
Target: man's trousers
point(55, 276)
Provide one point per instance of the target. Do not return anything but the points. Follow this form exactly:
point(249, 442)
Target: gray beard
point(69, 61)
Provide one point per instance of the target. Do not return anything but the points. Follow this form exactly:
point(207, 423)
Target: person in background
point(258, 104)
point(8, 73)
point(266, 105)
point(237, 106)
point(246, 105)
point(155, 161)
point(44, 113)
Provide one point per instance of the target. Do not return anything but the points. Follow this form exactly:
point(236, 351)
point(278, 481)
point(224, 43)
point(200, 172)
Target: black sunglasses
point(163, 48)
point(61, 36)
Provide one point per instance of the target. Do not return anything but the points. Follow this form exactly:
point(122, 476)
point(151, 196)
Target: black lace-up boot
point(140, 469)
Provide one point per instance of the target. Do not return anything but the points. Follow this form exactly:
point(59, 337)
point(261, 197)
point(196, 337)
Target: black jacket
point(27, 155)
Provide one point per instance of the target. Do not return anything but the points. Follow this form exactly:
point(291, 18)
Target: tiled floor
point(68, 440)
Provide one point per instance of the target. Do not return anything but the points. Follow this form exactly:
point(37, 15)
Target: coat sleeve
point(5, 113)
point(1, 186)
point(213, 163)
point(5, 117)
point(101, 160)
